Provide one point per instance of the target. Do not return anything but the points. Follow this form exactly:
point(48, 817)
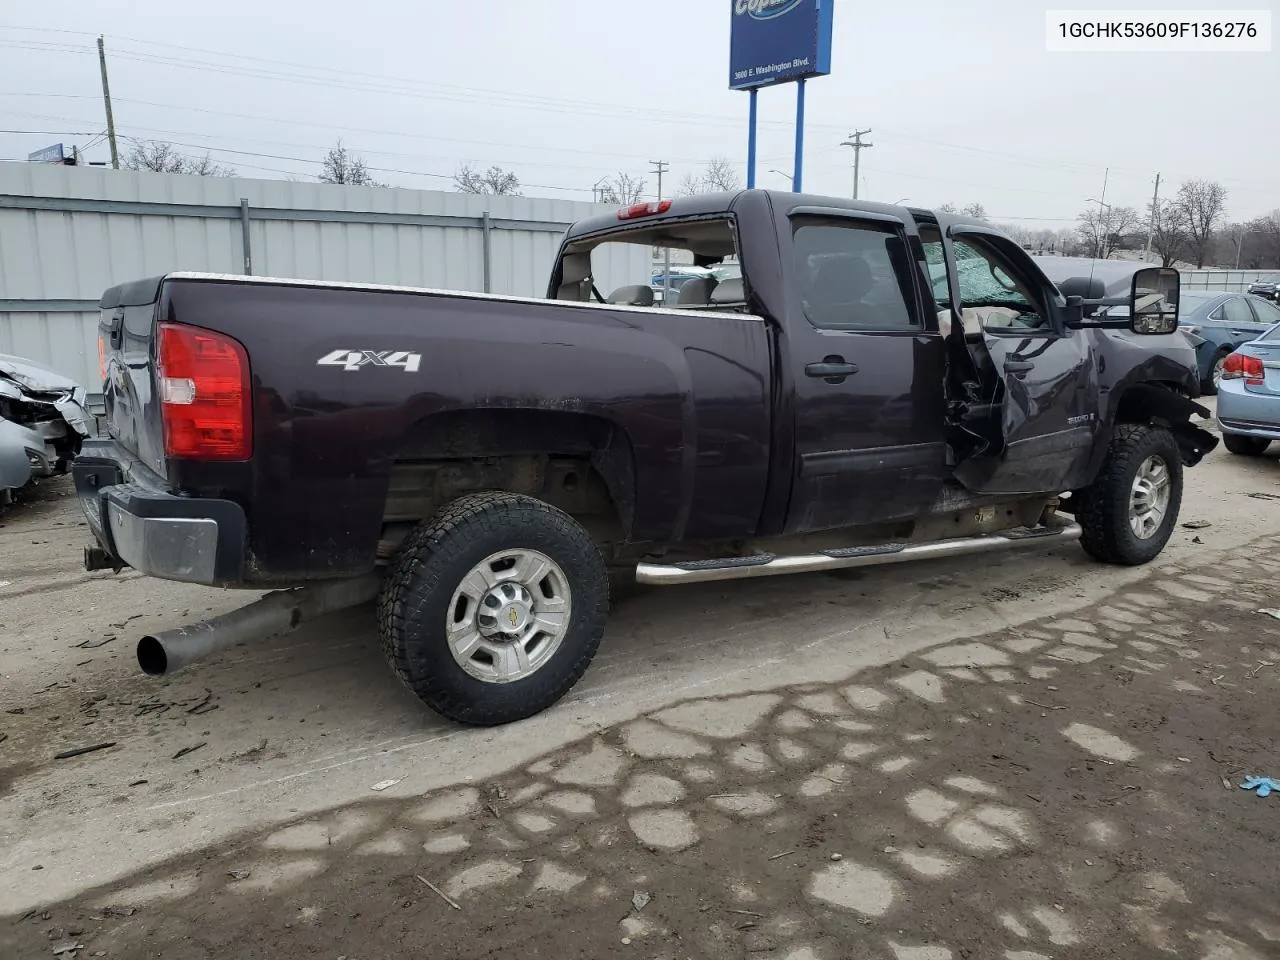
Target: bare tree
point(1263, 241)
point(719, 176)
point(622, 190)
point(495, 181)
point(690, 186)
point(343, 166)
point(206, 167)
point(1168, 231)
point(975, 210)
point(162, 157)
point(1203, 203)
point(1037, 241)
point(1105, 231)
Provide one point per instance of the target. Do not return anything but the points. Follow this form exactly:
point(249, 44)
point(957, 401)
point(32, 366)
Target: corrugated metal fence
point(1227, 281)
point(69, 233)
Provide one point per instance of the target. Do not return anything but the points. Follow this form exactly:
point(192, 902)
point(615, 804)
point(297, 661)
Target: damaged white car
point(43, 421)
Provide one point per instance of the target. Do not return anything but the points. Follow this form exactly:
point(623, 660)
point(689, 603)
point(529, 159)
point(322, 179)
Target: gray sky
point(964, 102)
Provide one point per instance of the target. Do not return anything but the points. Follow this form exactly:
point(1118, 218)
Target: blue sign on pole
point(779, 41)
point(52, 154)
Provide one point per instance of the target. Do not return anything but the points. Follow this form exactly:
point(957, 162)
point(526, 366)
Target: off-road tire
point(1207, 386)
point(1245, 446)
point(430, 565)
point(1103, 508)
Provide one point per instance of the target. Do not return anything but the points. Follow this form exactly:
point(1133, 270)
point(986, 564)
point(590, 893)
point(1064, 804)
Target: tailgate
point(126, 334)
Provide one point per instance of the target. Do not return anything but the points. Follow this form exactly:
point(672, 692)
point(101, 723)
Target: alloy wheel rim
point(509, 616)
point(1149, 497)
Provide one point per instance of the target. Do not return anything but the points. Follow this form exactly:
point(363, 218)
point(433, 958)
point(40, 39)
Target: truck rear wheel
point(1129, 512)
point(493, 610)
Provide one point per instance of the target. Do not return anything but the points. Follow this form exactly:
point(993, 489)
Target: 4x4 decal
point(355, 359)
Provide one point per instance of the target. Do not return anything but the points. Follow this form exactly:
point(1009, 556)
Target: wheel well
point(1152, 400)
point(580, 463)
point(1166, 404)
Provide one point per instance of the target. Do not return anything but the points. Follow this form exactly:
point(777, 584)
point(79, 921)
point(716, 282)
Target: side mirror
point(1153, 301)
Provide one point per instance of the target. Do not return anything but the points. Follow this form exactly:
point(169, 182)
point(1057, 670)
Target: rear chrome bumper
point(137, 522)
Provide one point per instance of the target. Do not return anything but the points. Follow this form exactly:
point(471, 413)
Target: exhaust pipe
point(163, 653)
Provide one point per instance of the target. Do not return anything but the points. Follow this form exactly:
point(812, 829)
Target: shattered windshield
point(981, 281)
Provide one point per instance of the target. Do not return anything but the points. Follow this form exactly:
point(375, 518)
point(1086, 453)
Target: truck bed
point(352, 383)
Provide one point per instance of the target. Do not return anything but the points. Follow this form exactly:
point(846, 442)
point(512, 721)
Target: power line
point(390, 133)
point(305, 146)
point(368, 82)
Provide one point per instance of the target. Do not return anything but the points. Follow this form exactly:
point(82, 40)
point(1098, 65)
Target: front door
point(867, 364)
point(1042, 374)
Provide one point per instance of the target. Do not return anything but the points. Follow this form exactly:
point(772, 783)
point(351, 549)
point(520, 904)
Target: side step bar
point(768, 565)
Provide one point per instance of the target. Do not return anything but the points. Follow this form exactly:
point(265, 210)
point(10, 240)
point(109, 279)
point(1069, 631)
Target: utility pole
point(106, 98)
point(1151, 225)
point(855, 141)
point(660, 167)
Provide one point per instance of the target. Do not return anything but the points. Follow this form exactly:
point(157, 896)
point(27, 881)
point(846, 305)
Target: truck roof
point(782, 201)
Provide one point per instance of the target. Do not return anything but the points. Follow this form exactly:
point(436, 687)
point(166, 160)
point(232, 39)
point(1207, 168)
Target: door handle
point(1018, 366)
point(832, 369)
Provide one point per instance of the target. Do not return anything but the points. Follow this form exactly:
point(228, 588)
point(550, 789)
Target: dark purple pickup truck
point(879, 383)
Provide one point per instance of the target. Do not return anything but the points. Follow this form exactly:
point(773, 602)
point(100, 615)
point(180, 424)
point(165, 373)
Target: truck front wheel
point(1129, 512)
point(492, 610)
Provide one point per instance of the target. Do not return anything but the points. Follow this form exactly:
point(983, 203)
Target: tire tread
point(420, 567)
point(1103, 511)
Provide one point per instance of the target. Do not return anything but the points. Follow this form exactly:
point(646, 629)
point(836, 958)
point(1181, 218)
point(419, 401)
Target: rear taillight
point(637, 210)
point(1241, 366)
point(204, 394)
point(102, 358)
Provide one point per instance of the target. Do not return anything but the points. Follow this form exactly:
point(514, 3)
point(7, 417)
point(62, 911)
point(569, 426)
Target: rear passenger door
point(1241, 320)
point(866, 369)
point(1268, 314)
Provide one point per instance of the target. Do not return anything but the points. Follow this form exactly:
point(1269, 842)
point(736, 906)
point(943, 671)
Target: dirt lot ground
point(1021, 759)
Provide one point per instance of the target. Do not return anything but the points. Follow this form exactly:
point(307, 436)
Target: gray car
point(1249, 395)
point(42, 423)
point(1218, 323)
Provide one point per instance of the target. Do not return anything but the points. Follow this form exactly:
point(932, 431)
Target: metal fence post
point(486, 227)
point(244, 237)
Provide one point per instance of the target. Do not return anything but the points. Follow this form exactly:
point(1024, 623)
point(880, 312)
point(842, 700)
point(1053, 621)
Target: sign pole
point(799, 168)
point(773, 42)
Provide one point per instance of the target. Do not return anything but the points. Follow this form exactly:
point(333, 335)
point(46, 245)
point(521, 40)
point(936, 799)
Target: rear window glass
point(690, 263)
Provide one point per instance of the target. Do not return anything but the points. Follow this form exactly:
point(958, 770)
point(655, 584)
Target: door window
point(1267, 312)
point(1236, 311)
point(853, 276)
point(991, 292)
